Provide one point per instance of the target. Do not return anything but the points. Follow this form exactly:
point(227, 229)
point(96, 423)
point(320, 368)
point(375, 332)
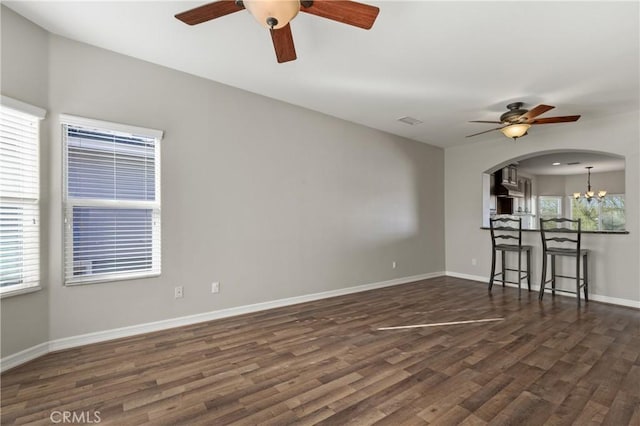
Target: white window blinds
point(19, 196)
point(112, 209)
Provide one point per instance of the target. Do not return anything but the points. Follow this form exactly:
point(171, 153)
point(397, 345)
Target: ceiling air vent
point(410, 121)
point(573, 163)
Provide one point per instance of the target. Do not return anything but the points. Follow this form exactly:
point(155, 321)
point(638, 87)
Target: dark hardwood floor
point(326, 362)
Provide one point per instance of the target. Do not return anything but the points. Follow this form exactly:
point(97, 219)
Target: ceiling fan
point(516, 121)
point(276, 14)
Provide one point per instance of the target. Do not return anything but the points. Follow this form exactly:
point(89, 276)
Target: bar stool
point(564, 246)
point(505, 228)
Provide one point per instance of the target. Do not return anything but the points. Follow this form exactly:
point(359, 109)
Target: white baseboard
point(26, 355)
point(595, 297)
point(615, 300)
point(467, 276)
point(117, 333)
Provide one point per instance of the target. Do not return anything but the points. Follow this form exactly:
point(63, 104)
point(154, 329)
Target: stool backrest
point(549, 228)
point(505, 229)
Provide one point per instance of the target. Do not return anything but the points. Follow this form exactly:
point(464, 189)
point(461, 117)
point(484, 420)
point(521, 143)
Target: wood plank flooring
point(325, 362)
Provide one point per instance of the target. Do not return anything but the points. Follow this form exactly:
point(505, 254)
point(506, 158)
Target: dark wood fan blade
point(483, 121)
point(486, 131)
point(283, 43)
point(533, 113)
point(208, 12)
point(348, 12)
point(551, 120)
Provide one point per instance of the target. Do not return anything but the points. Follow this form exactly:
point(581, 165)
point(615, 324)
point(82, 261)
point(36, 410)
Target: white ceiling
point(543, 164)
point(444, 63)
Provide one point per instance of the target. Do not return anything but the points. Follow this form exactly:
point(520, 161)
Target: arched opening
point(565, 183)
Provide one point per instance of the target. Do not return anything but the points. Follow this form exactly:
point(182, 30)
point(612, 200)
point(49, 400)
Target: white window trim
point(125, 130)
point(39, 114)
point(24, 107)
point(557, 197)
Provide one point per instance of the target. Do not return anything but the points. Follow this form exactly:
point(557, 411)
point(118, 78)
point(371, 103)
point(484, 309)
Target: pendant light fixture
point(590, 194)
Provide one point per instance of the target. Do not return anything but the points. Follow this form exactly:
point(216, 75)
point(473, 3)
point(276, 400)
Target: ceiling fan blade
point(208, 12)
point(486, 131)
point(348, 12)
point(483, 121)
point(551, 120)
point(283, 43)
point(528, 116)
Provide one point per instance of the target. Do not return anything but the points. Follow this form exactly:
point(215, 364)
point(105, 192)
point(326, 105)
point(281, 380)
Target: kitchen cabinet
point(524, 186)
point(509, 175)
point(506, 183)
point(527, 196)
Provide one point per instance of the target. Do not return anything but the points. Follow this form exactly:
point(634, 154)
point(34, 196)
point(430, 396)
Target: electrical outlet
point(394, 264)
point(474, 262)
point(178, 292)
point(215, 287)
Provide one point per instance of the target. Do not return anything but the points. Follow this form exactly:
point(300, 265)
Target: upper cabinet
point(508, 176)
point(506, 182)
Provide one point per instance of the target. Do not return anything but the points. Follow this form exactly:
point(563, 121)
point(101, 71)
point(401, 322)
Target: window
point(608, 215)
point(19, 196)
point(112, 201)
point(549, 207)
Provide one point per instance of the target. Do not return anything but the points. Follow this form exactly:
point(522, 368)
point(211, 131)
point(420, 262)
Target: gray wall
point(612, 182)
point(550, 185)
point(25, 65)
point(615, 258)
point(270, 199)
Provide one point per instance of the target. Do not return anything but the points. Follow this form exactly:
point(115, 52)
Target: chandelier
point(589, 194)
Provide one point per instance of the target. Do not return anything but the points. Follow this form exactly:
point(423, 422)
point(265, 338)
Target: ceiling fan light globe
point(282, 10)
point(601, 194)
point(576, 195)
point(515, 130)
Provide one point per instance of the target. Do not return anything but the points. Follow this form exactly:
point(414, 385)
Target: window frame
point(558, 198)
point(37, 114)
point(69, 202)
point(598, 204)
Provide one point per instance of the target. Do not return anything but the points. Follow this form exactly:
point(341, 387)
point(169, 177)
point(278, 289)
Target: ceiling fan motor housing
point(515, 111)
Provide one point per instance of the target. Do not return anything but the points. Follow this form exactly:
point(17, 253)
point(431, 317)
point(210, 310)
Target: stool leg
point(519, 272)
point(578, 279)
point(493, 267)
point(503, 268)
point(585, 275)
point(544, 275)
point(553, 274)
point(529, 269)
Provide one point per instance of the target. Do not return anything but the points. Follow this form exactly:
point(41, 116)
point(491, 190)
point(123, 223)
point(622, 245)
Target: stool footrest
point(511, 282)
point(549, 281)
point(549, 290)
point(522, 277)
point(568, 277)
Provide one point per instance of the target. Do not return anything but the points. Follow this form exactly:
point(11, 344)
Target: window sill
point(20, 291)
